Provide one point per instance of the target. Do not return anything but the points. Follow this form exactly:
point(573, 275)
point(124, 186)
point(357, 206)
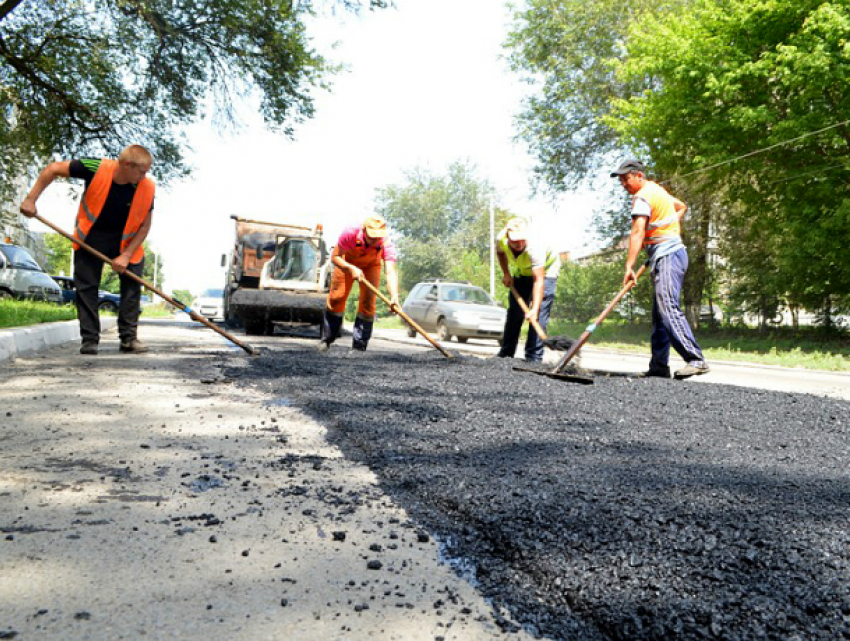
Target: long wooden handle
point(592, 327)
point(540, 332)
point(407, 319)
point(176, 303)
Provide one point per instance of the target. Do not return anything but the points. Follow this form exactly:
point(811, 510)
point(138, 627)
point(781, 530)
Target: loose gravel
point(627, 509)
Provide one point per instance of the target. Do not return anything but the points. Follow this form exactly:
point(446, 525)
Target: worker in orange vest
point(656, 227)
point(114, 217)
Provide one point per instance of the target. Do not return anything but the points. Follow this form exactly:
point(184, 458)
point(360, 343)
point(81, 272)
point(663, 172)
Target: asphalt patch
point(629, 509)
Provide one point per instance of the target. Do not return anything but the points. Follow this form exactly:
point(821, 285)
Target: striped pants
point(669, 325)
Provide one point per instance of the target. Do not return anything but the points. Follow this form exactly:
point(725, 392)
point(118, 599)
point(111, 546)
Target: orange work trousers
point(341, 283)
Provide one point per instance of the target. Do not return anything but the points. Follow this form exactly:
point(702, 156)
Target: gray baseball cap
point(629, 165)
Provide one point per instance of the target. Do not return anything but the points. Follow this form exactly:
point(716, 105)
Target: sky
point(425, 84)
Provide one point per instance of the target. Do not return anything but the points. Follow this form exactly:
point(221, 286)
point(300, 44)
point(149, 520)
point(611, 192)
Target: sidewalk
point(22, 341)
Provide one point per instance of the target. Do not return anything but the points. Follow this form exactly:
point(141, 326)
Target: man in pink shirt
point(358, 255)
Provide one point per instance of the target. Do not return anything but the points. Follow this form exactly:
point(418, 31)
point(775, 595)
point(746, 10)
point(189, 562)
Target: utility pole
point(492, 248)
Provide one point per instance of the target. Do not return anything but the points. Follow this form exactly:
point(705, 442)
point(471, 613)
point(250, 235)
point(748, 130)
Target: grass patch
point(807, 347)
point(158, 310)
point(20, 313)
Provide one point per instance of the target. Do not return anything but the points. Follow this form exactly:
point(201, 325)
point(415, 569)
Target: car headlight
point(464, 318)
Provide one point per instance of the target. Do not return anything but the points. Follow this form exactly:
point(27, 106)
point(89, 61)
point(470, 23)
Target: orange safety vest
point(663, 221)
point(91, 204)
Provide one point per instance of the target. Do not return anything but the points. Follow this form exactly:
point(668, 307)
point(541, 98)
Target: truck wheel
point(411, 333)
point(462, 339)
point(5, 294)
point(255, 327)
point(443, 331)
point(108, 306)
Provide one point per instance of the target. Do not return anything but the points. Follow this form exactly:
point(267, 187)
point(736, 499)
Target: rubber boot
point(362, 333)
point(331, 327)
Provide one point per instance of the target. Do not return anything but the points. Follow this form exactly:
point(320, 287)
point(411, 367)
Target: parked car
point(455, 308)
point(210, 304)
point(22, 277)
point(106, 301)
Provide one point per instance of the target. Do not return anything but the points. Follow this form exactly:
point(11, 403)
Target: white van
point(21, 276)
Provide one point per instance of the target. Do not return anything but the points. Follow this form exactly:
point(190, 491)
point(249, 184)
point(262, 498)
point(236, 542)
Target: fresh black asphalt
point(627, 509)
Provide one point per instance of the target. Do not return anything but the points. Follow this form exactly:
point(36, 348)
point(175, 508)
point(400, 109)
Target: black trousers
point(87, 271)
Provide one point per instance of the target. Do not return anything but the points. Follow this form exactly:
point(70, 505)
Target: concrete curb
point(20, 341)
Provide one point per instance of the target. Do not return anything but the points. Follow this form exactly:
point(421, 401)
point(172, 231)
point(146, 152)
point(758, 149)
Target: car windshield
point(467, 295)
point(213, 293)
point(19, 257)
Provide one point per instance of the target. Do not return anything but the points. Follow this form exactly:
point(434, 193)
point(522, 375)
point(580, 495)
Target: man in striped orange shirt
point(656, 217)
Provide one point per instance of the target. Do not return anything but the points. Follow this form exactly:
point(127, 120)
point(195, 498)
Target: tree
point(571, 51)
point(691, 88)
point(565, 49)
point(93, 77)
point(731, 77)
point(59, 254)
point(440, 219)
point(184, 296)
point(110, 281)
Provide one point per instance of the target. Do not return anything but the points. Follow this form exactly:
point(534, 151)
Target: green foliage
point(585, 290)
point(183, 296)
point(439, 218)
point(111, 282)
point(59, 254)
point(740, 107)
point(742, 75)
point(88, 78)
point(19, 313)
point(566, 48)
point(158, 310)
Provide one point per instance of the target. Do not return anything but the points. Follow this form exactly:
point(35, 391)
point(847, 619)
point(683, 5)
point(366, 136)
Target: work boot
point(89, 347)
point(692, 369)
point(134, 346)
point(322, 346)
point(657, 372)
point(361, 334)
point(331, 327)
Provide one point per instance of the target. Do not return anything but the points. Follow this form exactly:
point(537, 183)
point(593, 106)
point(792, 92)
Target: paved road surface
point(145, 496)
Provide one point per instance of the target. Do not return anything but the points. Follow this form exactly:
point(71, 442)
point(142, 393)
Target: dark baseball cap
point(628, 165)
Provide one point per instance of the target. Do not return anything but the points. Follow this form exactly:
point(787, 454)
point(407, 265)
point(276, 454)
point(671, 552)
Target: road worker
point(358, 255)
point(114, 218)
point(532, 268)
point(656, 226)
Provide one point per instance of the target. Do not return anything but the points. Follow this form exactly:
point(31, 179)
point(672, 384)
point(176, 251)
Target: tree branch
point(7, 7)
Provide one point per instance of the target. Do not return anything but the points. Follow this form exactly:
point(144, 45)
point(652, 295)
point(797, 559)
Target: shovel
point(532, 321)
point(557, 371)
point(407, 319)
point(542, 334)
point(176, 303)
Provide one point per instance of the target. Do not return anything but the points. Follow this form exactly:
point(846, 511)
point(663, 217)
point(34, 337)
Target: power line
point(822, 170)
point(764, 149)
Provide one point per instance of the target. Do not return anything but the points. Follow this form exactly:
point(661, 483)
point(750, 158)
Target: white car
point(210, 304)
point(455, 308)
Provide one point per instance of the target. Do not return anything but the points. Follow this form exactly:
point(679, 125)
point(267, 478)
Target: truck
point(276, 273)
